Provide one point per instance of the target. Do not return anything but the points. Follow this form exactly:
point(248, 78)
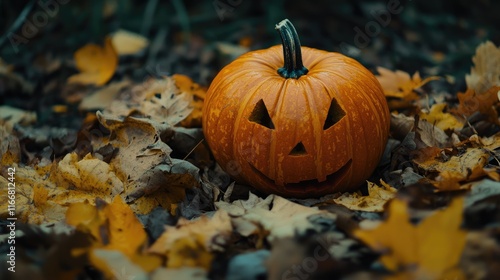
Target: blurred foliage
point(425, 34)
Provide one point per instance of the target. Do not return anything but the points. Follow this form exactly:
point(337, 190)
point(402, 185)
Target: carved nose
point(298, 150)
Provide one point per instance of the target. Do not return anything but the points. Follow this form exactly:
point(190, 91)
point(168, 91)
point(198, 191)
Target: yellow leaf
point(440, 239)
point(400, 85)
point(126, 233)
point(189, 251)
point(373, 202)
point(465, 167)
point(442, 120)
point(127, 43)
point(395, 237)
point(40, 195)
point(434, 246)
point(97, 64)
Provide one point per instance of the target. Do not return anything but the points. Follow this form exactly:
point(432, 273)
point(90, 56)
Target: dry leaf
point(96, 64)
point(472, 101)
point(434, 245)
point(486, 71)
point(89, 174)
point(191, 243)
point(103, 98)
point(159, 100)
point(400, 85)
point(9, 116)
point(278, 216)
point(186, 84)
point(451, 172)
point(10, 150)
point(192, 273)
point(437, 117)
point(114, 227)
point(374, 202)
point(127, 43)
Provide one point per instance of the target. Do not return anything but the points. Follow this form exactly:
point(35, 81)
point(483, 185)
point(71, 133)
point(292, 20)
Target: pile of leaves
point(134, 193)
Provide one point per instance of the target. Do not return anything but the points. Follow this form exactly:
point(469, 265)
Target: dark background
point(433, 37)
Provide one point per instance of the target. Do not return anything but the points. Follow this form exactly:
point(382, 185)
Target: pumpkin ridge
point(280, 103)
point(239, 116)
point(315, 122)
point(334, 93)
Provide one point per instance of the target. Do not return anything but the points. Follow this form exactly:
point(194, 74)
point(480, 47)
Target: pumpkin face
point(319, 133)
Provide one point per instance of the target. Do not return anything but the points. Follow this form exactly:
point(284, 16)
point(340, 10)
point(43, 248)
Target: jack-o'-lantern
point(318, 125)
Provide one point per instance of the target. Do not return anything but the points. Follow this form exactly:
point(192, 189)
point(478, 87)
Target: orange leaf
point(97, 64)
point(185, 84)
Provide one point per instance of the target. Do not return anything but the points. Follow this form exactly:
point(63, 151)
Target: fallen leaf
point(192, 243)
point(103, 98)
point(485, 73)
point(374, 202)
point(114, 228)
point(437, 117)
point(401, 86)
point(89, 174)
point(450, 172)
point(10, 150)
point(280, 217)
point(482, 102)
point(186, 84)
point(128, 43)
point(10, 116)
point(434, 245)
point(193, 273)
point(96, 64)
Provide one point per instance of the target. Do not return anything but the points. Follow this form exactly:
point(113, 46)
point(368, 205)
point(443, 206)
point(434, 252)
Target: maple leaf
point(373, 202)
point(434, 245)
point(96, 64)
point(485, 74)
point(401, 86)
point(437, 117)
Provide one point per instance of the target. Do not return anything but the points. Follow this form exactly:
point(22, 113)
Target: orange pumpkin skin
point(337, 156)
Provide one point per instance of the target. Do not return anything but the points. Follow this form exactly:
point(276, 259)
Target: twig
point(19, 21)
point(192, 150)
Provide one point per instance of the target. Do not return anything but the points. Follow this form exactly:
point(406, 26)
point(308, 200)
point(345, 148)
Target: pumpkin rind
point(297, 157)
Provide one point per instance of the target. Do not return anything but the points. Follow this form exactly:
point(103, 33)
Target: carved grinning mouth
point(331, 180)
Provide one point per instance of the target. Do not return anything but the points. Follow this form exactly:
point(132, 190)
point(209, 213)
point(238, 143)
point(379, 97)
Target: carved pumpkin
point(294, 130)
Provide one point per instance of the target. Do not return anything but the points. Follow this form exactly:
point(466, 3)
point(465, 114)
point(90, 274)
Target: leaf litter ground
point(134, 194)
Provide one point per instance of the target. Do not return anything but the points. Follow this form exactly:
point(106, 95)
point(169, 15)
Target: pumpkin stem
point(291, 51)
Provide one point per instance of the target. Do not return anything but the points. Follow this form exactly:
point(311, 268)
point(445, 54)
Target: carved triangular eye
point(298, 150)
point(335, 114)
point(261, 116)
